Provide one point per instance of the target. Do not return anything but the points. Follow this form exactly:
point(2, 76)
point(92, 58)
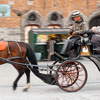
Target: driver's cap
point(76, 13)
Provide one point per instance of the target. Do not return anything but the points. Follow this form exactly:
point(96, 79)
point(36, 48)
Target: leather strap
point(8, 50)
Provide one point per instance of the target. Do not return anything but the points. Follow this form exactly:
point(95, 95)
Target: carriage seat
point(3, 45)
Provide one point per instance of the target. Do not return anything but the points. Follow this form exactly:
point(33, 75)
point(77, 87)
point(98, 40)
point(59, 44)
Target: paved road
point(42, 91)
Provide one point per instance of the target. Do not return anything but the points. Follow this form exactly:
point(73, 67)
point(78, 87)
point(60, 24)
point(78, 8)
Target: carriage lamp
point(19, 14)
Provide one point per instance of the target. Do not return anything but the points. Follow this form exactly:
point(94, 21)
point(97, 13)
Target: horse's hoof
point(26, 87)
point(14, 87)
point(25, 90)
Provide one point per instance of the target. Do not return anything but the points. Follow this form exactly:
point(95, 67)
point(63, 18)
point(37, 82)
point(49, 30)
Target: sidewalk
point(42, 91)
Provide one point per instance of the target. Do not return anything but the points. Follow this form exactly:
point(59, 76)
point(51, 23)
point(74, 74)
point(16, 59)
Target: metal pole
point(20, 13)
point(21, 32)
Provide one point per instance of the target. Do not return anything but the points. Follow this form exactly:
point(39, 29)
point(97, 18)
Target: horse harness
point(24, 64)
point(17, 57)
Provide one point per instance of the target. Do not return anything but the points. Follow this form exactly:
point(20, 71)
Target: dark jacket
point(79, 27)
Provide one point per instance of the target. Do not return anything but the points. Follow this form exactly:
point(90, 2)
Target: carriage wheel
point(71, 76)
point(57, 61)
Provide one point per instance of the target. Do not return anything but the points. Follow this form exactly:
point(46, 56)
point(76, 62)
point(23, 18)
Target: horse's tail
point(31, 57)
point(30, 54)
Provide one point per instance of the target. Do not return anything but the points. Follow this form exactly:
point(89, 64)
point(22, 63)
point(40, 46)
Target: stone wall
point(10, 34)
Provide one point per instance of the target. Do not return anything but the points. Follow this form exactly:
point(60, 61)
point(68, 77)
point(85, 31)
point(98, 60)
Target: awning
point(51, 31)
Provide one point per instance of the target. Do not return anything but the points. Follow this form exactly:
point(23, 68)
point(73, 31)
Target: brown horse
point(17, 52)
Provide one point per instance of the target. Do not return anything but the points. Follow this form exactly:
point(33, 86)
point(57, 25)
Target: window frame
point(30, 2)
point(52, 17)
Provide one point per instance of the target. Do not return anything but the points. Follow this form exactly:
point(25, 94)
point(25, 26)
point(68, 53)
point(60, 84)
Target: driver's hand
point(70, 33)
point(73, 34)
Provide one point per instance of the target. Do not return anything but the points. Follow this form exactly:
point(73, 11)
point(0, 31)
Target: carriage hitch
point(47, 78)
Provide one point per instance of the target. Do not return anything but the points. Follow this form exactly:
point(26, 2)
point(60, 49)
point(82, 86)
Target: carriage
point(68, 73)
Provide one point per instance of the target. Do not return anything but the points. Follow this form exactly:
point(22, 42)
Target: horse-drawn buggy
point(66, 72)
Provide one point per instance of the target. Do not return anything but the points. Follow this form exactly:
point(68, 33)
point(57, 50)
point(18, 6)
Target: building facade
point(18, 17)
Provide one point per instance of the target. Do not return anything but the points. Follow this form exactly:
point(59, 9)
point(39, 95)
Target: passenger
point(79, 26)
point(95, 39)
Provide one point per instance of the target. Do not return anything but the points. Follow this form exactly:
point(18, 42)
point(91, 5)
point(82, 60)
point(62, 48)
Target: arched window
point(54, 17)
point(32, 17)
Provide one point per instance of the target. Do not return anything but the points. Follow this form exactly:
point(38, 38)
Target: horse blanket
point(3, 45)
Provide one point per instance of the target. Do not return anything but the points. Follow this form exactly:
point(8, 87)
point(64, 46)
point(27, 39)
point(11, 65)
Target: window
point(54, 17)
point(32, 17)
point(11, 2)
point(30, 2)
point(4, 10)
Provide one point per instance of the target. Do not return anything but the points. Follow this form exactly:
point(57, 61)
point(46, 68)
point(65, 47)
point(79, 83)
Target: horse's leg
point(27, 72)
point(21, 72)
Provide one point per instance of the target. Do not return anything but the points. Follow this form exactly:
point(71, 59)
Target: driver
point(79, 26)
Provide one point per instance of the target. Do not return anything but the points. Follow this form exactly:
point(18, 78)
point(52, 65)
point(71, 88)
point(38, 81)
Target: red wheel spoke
point(76, 83)
point(60, 77)
point(80, 75)
point(75, 67)
point(64, 81)
point(79, 79)
point(68, 82)
point(71, 84)
point(64, 73)
point(70, 67)
point(65, 68)
point(77, 71)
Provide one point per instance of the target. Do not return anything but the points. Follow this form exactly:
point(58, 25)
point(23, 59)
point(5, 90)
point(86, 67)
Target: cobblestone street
point(41, 91)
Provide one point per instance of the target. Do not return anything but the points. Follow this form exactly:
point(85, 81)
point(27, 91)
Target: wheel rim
point(71, 76)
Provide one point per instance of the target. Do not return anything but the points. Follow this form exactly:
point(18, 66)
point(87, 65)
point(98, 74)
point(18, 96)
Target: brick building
point(22, 15)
